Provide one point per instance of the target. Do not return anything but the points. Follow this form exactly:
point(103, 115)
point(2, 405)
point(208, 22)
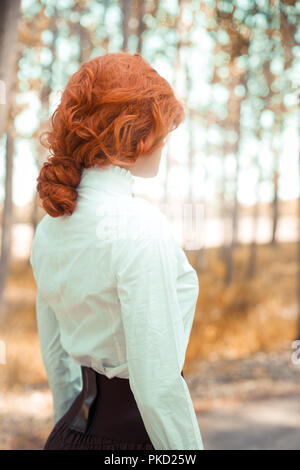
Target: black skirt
point(104, 416)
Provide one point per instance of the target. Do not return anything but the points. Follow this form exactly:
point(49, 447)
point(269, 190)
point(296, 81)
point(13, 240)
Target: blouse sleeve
point(64, 374)
point(154, 336)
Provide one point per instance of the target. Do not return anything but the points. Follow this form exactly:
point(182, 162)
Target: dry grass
point(24, 365)
point(249, 316)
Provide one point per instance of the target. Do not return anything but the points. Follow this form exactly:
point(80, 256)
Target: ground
point(248, 404)
point(261, 424)
point(251, 403)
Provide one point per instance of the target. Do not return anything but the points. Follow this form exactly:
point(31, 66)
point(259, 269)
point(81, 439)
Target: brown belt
point(107, 408)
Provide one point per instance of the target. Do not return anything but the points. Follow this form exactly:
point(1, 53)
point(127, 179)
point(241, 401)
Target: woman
point(115, 293)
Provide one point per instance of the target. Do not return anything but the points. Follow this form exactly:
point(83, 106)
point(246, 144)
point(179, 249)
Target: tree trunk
point(278, 128)
point(230, 248)
point(6, 216)
point(253, 247)
point(275, 208)
point(298, 286)
point(8, 39)
point(125, 5)
point(235, 213)
point(141, 24)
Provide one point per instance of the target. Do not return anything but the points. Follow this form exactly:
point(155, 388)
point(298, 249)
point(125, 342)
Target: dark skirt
point(104, 416)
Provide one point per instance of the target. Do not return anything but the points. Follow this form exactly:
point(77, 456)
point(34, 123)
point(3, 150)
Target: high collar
point(113, 179)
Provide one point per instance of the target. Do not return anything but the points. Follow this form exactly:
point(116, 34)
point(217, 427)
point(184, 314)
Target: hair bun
point(57, 187)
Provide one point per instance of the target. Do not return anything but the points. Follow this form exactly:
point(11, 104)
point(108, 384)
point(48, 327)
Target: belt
point(82, 420)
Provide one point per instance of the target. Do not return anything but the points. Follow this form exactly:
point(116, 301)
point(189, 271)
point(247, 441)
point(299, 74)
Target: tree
point(141, 8)
point(298, 283)
point(126, 12)
point(237, 46)
point(7, 214)
point(8, 39)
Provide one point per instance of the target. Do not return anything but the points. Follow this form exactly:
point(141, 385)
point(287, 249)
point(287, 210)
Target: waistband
point(107, 408)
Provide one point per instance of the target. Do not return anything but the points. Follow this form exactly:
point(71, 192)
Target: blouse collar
point(113, 178)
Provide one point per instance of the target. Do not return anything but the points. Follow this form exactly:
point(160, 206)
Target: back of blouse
point(116, 293)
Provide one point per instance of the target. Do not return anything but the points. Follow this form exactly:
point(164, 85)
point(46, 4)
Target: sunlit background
point(231, 169)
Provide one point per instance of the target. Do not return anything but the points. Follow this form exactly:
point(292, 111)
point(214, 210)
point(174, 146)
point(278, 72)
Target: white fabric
point(117, 293)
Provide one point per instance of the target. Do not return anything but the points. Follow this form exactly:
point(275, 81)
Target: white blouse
point(115, 292)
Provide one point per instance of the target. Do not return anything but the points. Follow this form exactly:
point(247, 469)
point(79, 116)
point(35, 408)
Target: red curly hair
point(114, 109)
